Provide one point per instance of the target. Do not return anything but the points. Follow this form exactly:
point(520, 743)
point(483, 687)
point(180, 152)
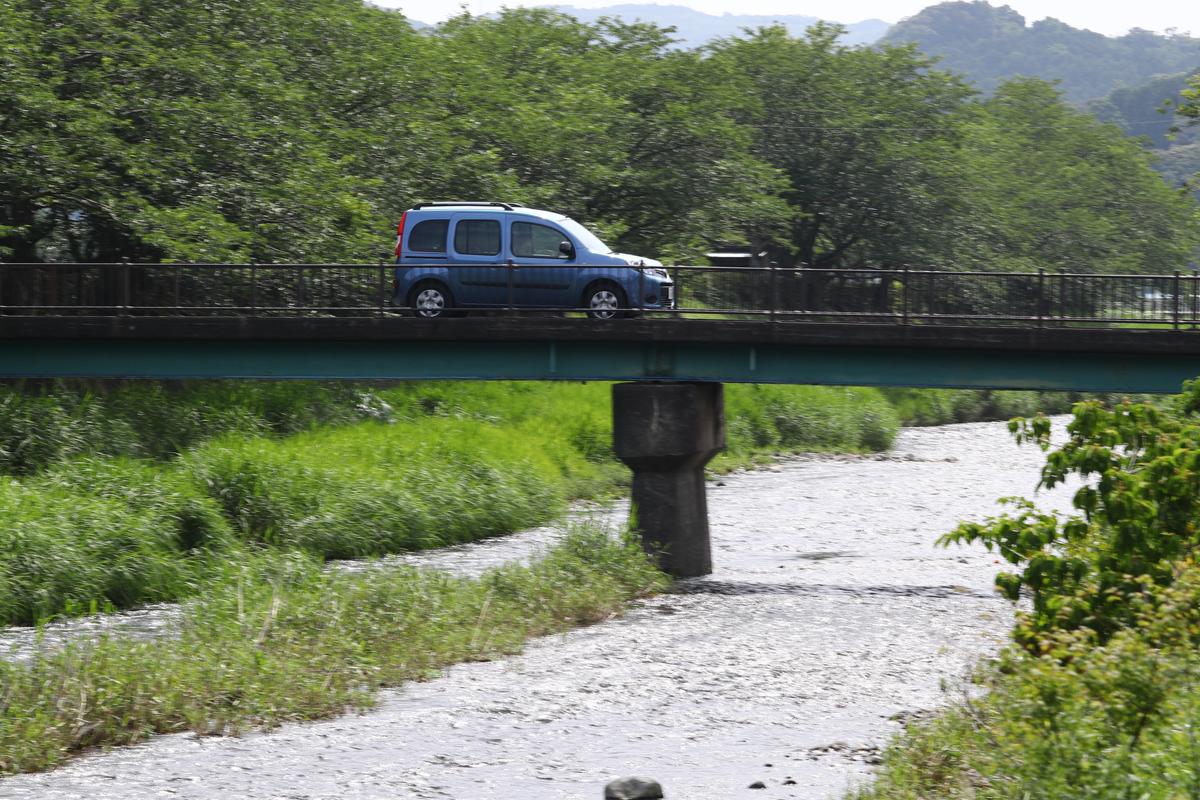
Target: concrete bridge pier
point(666, 433)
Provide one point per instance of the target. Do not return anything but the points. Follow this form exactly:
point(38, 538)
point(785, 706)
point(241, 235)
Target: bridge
point(1054, 331)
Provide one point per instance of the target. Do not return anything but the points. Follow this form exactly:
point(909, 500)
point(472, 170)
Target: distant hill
point(1139, 110)
point(990, 44)
point(695, 28)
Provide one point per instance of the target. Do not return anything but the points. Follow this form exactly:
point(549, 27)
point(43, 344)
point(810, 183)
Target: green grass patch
point(42, 424)
point(62, 552)
point(275, 639)
point(376, 488)
point(455, 462)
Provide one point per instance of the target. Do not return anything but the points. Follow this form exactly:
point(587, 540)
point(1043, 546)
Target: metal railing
point(773, 294)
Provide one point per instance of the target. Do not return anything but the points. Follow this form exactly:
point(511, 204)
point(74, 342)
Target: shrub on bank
point(66, 552)
point(275, 639)
point(922, 407)
point(188, 516)
point(813, 418)
point(1098, 697)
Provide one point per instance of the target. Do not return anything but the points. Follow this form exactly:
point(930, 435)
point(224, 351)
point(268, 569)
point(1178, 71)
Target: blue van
point(496, 255)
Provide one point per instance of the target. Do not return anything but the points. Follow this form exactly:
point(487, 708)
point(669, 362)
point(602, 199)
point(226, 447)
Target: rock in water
point(633, 789)
point(757, 785)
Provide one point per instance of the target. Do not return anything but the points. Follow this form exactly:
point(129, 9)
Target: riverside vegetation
point(134, 495)
point(1097, 696)
point(254, 495)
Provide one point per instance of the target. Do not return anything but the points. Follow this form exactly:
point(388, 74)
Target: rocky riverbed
point(831, 618)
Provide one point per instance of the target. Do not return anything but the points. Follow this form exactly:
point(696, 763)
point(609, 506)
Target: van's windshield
point(586, 238)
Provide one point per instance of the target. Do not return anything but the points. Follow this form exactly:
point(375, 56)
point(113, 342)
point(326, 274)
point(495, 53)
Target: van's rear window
point(429, 236)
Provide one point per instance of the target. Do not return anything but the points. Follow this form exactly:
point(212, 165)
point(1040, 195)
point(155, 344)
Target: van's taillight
point(400, 234)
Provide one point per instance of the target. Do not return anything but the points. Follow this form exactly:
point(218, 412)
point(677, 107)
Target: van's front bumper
point(658, 297)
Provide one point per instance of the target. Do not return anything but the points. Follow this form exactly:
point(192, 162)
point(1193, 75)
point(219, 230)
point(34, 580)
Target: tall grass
point(65, 552)
point(377, 488)
point(42, 424)
point(275, 639)
point(454, 463)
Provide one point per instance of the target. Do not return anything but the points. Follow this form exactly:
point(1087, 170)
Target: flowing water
point(831, 618)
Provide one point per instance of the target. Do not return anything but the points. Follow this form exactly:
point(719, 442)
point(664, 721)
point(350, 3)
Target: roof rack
point(505, 206)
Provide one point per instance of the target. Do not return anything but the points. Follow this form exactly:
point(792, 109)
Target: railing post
point(642, 288)
point(382, 290)
point(932, 312)
point(509, 282)
point(1041, 296)
point(3, 308)
point(125, 299)
point(773, 289)
point(178, 277)
point(904, 297)
point(1175, 301)
point(253, 288)
point(1195, 276)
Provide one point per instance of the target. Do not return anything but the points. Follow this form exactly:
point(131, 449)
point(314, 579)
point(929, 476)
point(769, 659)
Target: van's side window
point(429, 236)
point(477, 237)
point(530, 240)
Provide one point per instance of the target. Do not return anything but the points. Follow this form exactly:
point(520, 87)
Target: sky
point(1112, 17)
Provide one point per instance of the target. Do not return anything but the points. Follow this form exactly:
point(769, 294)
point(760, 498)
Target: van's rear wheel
point(604, 301)
point(430, 300)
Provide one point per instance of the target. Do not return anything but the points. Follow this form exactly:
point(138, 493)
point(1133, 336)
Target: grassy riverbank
point(377, 471)
point(274, 639)
point(1097, 697)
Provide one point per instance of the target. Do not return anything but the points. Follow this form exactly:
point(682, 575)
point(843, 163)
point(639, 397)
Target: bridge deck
point(542, 348)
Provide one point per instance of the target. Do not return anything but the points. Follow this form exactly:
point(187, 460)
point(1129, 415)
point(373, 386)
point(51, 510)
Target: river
point(830, 619)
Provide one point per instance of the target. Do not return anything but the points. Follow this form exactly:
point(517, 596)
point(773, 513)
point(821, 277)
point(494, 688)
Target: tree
point(1055, 188)
point(860, 134)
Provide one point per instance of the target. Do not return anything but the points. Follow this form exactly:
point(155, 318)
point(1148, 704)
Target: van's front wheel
point(430, 300)
point(604, 301)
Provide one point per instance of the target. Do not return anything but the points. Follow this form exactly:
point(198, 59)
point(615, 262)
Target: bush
point(375, 488)
point(811, 418)
point(178, 503)
point(922, 407)
point(66, 552)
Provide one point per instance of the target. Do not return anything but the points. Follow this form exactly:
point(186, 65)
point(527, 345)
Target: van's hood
point(638, 261)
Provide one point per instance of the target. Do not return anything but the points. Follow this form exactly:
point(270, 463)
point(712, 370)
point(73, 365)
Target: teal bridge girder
point(388, 347)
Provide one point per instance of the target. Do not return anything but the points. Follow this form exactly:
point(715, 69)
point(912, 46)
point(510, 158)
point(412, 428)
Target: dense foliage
point(1138, 504)
point(274, 131)
point(1098, 697)
point(992, 44)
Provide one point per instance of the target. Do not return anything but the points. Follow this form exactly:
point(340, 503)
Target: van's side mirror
point(567, 249)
